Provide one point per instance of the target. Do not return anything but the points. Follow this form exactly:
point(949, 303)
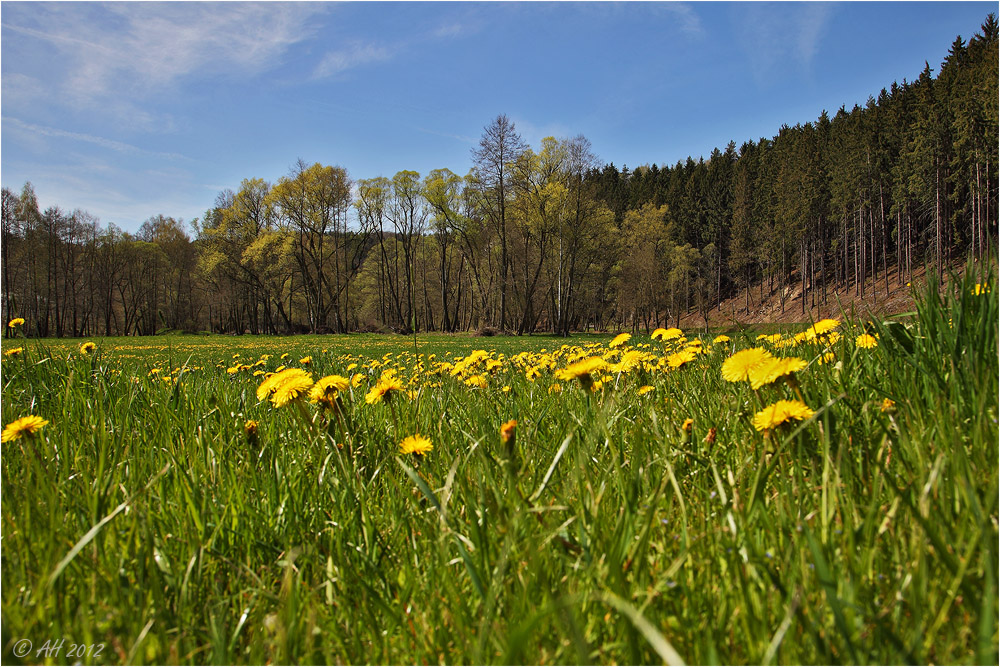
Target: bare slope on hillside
point(775, 307)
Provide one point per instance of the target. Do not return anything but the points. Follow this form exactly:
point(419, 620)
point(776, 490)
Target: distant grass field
point(823, 495)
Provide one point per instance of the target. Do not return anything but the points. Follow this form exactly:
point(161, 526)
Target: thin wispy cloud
point(136, 48)
point(776, 36)
point(684, 15)
point(457, 137)
point(451, 30)
point(111, 144)
point(352, 55)
point(812, 21)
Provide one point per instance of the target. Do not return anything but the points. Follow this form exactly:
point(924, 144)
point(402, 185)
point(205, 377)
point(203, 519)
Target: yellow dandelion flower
point(291, 389)
point(506, 389)
point(738, 366)
point(866, 341)
point(415, 444)
point(720, 339)
point(87, 347)
point(628, 361)
point(821, 328)
point(325, 390)
point(582, 371)
point(555, 389)
point(13, 352)
point(827, 358)
point(688, 423)
point(383, 389)
point(250, 428)
point(780, 412)
point(272, 382)
point(620, 339)
point(357, 379)
point(476, 381)
point(284, 356)
point(888, 405)
point(351, 367)
point(645, 389)
point(658, 334)
point(258, 373)
point(233, 370)
point(678, 359)
point(23, 427)
point(979, 289)
point(770, 338)
point(587, 366)
point(305, 361)
point(16, 322)
point(770, 370)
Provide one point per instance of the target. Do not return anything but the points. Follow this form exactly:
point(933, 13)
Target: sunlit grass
point(632, 516)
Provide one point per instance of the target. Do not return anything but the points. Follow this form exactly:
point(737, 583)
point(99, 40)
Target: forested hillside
point(546, 238)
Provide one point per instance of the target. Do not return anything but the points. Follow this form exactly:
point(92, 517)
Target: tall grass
point(144, 517)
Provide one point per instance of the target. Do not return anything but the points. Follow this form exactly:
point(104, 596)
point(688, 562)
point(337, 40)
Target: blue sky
point(129, 110)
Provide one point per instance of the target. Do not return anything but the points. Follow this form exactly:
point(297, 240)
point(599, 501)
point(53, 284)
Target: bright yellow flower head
point(23, 427)
point(415, 444)
point(821, 328)
point(737, 367)
point(13, 352)
point(866, 341)
point(16, 322)
point(645, 389)
point(582, 371)
point(667, 334)
point(678, 359)
point(476, 381)
point(305, 361)
point(770, 370)
point(325, 390)
point(87, 347)
point(291, 389)
point(586, 366)
point(271, 383)
point(383, 389)
point(780, 412)
point(629, 361)
point(620, 339)
point(721, 339)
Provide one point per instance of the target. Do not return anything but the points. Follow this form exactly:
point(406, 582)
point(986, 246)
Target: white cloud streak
point(686, 18)
point(777, 36)
point(353, 55)
point(137, 48)
point(111, 144)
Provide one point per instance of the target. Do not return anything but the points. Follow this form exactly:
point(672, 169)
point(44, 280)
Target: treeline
point(546, 238)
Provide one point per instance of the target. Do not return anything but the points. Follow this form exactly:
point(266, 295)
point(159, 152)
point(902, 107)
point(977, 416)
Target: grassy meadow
point(827, 494)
